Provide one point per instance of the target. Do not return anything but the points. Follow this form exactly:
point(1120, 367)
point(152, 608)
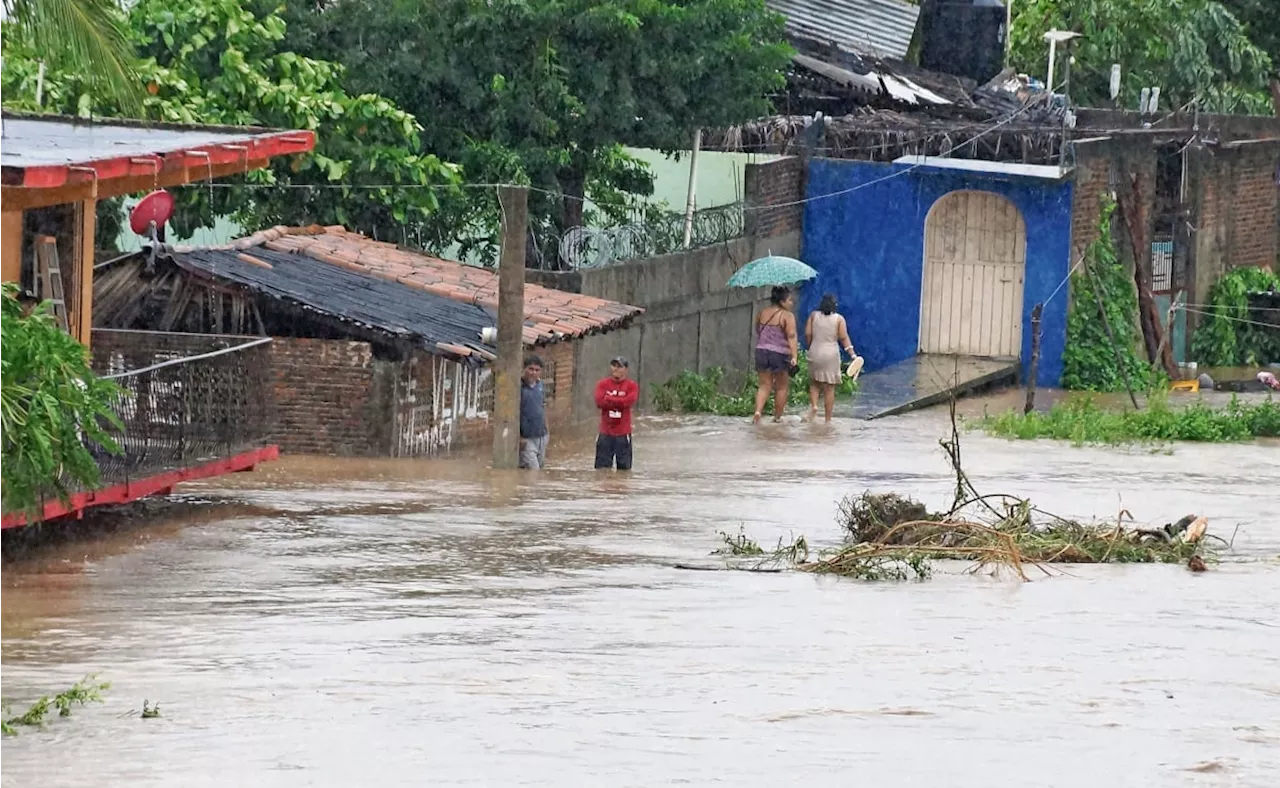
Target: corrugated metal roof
point(1006, 168)
point(875, 80)
point(874, 27)
point(551, 315)
point(433, 322)
point(55, 140)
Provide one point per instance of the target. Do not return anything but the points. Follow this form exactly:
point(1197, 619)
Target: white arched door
point(975, 260)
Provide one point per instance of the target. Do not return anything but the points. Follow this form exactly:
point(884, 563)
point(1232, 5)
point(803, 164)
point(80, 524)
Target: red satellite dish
point(155, 207)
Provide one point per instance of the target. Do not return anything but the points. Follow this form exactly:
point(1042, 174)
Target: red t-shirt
point(615, 399)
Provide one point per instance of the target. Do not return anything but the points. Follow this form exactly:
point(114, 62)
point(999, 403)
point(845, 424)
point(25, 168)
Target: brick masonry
point(1092, 181)
point(335, 397)
point(119, 351)
point(1233, 197)
point(1236, 197)
point(774, 190)
point(332, 397)
point(1247, 217)
point(558, 382)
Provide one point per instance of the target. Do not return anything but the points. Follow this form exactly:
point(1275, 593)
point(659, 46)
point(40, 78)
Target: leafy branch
point(53, 407)
point(83, 692)
point(1228, 336)
point(1091, 360)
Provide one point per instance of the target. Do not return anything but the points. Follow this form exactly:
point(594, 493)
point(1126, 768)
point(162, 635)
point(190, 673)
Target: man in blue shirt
point(533, 416)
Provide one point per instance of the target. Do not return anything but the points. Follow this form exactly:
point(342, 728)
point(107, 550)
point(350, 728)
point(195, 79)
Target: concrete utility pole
point(692, 199)
point(514, 201)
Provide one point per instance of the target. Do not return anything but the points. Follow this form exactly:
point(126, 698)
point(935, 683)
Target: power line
point(1232, 318)
point(561, 195)
point(1038, 99)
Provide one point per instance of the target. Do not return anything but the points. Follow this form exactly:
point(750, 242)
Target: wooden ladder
point(51, 277)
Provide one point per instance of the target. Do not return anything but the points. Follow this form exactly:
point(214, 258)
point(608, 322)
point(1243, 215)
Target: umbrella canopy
point(771, 270)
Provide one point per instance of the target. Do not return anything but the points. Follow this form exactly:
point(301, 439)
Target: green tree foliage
point(1089, 361)
point(1189, 48)
point(87, 37)
point(1229, 336)
point(220, 62)
point(1261, 25)
point(548, 90)
point(51, 404)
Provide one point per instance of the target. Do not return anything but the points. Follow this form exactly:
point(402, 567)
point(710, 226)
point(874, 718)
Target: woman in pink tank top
point(776, 352)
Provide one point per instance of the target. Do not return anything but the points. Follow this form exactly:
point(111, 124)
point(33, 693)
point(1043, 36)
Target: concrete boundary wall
point(692, 319)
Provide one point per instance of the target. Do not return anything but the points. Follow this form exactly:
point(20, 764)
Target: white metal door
point(975, 259)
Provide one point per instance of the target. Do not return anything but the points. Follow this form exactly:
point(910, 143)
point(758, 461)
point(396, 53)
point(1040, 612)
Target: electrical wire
point(1038, 99)
point(561, 195)
point(1232, 317)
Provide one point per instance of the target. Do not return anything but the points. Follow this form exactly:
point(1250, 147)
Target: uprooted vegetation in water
point(1006, 530)
point(894, 537)
point(88, 690)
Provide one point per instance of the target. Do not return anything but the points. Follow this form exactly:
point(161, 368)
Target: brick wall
point(1237, 215)
point(775, 183)
point(332, 397)
point(1092, 182)
point(558, 382)
point(1252, 207)
point(329, 396)
point(119, 351)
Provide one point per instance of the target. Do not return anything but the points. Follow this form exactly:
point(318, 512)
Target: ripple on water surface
point(341, 622)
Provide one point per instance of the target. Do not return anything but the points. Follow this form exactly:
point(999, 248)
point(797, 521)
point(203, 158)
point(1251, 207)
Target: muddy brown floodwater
point(351, 623)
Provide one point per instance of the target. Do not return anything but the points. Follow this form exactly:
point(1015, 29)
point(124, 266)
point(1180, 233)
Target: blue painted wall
point(868, 247)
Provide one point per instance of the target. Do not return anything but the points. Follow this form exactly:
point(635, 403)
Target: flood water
point(338, 622)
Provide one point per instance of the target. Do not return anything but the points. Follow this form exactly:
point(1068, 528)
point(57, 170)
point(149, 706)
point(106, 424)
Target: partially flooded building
point(185, 415)
point(375, 351)
point(941, 211)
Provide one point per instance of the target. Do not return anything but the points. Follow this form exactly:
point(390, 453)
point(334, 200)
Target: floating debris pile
point(1006, 530)
point(894, 537)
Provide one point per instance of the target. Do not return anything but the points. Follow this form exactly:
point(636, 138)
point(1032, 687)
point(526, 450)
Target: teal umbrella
point(771, 270)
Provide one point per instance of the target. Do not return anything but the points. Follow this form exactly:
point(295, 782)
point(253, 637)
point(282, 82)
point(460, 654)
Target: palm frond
point(87, 36)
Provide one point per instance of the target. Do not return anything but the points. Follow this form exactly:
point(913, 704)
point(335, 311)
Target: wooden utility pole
point(514, 202)
point(1036, 312)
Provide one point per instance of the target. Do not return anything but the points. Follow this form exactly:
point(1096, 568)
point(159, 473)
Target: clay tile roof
point(550, 315)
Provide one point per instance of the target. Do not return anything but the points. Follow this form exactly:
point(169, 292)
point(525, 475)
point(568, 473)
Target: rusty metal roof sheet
point(550, 315)
point(875, 27)
point(435, 323)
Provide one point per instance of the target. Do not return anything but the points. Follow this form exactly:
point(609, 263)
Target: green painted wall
point(719, 180)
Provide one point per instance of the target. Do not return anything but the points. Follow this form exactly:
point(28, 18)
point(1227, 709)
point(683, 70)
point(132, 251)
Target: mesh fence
point(181, 412)
point(646, 235)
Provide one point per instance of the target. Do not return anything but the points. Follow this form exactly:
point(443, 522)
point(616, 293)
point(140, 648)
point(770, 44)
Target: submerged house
point(185, 415)
point(376, 350)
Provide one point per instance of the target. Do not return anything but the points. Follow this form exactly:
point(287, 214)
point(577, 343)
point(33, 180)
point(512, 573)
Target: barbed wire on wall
point(652, 233)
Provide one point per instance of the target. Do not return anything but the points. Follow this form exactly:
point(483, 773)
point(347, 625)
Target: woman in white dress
point(825, 333)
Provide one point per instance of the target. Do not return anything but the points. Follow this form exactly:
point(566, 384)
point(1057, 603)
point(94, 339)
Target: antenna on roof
point(148, 219)
point(1055, 37)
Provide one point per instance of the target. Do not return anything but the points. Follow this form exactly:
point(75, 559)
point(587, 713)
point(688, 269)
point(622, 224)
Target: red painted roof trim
point(251, 148)
point(151, 485)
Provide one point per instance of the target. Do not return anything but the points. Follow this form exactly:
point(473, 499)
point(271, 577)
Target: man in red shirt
point(616, 395)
